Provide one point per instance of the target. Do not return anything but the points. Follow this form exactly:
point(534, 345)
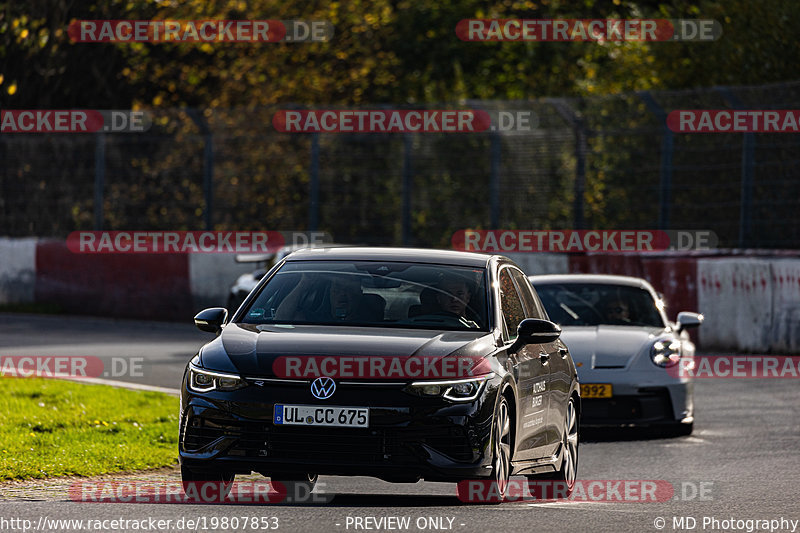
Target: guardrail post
point(208, 167)
point(99, 179)
point(667, 148)
point(208, 181)
point(494, 179)
point(313, 193)
point(748, 167)
point(580, 172)
point(408, 180)
point(581, 149)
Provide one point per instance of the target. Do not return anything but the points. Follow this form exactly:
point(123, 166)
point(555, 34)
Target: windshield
point(381, 294)
point(588, 304)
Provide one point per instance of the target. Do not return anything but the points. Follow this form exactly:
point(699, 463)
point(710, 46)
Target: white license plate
point(315, 415)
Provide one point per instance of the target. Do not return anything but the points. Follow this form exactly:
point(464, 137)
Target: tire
point(297, 489)
point(195, 483)
point(567, 474)
point(501, 450)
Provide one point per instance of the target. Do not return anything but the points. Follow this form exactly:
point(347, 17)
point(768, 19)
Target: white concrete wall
point(735, 296)
point(537, 264)
point(751, 304)
point(17, 270)
point(785, 331)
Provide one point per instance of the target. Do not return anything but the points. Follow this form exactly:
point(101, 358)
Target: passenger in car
point(349, 303)
point(342, 300)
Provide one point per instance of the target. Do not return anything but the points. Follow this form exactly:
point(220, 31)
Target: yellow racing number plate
point(595, 390)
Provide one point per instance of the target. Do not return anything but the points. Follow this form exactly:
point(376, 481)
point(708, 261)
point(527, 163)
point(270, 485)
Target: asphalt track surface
point(150, 353)
point(744, 457)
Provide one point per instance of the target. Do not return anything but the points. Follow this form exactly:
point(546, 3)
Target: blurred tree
point(393, 52)
point(383, 51)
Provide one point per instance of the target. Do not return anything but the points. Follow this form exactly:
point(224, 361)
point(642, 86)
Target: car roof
point(284, 251)
point(411, 255)
point(605, 279)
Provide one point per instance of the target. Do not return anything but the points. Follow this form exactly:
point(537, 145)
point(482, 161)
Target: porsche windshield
point(381, 294)
point(587, 304)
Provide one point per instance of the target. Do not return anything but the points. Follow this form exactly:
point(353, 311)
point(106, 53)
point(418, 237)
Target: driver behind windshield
point(618, 312)
point(453, 295)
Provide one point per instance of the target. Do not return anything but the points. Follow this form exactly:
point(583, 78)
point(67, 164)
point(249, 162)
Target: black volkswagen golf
point(402, 364)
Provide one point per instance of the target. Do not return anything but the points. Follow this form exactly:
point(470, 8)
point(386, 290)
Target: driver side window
point(510, 304)
point(528, 295)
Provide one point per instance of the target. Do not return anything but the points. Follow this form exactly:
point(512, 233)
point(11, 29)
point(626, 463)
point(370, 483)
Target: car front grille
point(650, 405)
point(260, 438)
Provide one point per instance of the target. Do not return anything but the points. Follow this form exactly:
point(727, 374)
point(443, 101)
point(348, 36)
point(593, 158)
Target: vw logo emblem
point(323, 388)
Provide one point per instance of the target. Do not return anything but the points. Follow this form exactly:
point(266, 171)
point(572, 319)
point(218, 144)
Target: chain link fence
point(604, 163)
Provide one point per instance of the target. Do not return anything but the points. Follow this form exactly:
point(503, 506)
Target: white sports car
point(622, 343)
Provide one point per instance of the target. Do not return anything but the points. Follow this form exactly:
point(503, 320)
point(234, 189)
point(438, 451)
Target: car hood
point(608, 346)
point(251, 350)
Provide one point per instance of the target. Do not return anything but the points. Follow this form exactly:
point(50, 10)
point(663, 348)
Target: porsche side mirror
point(688, 320)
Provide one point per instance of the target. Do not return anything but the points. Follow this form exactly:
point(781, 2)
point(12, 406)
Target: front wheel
point(206, 485)
point(501, 462)
point(566, 476)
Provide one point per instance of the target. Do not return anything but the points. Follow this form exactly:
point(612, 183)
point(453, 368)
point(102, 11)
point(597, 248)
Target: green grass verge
point(51, 427)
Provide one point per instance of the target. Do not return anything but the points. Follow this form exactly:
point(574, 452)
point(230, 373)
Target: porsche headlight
point(458, 390)
point(204, 380)
point(665, 352)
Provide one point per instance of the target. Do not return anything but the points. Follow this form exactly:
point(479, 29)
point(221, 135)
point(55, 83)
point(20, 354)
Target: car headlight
point(457, 390)
point(204, 380)
point(665, 352)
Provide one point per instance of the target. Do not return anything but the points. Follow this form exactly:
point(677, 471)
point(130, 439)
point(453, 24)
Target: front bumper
point(648, 407)
point(408, 437)
point(645, 398)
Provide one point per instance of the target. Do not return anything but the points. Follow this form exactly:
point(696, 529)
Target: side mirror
point(211, 320)
point(688, 320)
point(536, 331)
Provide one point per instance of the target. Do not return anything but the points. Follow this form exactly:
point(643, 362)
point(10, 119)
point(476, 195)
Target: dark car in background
point(623, 344)
point(513, 410)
